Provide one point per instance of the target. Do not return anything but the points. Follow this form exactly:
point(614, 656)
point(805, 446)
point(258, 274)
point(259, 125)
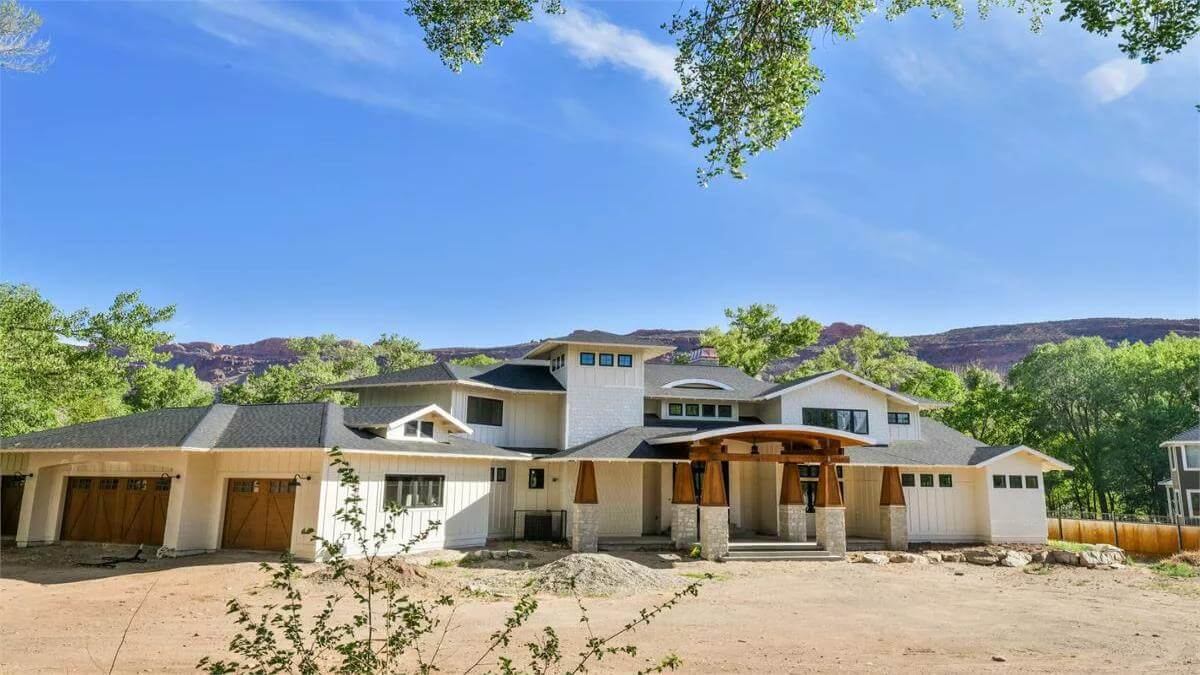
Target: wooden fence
point(1147, 538)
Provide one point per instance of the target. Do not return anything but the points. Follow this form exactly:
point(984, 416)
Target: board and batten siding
point(602, 399)
point(938, 514)
point(838, 392)
point(905, 432)
point(463, 516)
point(12, 463)
point(528, 421)
point(619, 487)
point(422, 394)
point(1016, 515)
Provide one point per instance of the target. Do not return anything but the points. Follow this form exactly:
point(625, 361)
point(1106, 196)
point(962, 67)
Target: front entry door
point(258, 514)
point(116, 510)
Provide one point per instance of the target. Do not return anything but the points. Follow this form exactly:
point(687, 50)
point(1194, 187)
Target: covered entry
point(258, 514)
point(126, 510)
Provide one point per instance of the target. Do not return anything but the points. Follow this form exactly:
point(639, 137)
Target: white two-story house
point(584, 438)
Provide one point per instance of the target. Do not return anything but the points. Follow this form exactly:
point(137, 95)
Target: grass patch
point(1072, 546)
point(714, 576)
point(1175, 570)
point(444, 562)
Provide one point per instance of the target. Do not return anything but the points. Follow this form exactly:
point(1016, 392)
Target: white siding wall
point(463, 517)
point(951, 514)
point(1016, 514)
point(619, 487)
point(860, 493)
point(904, 432)
point(410, 395)
point(600, 399)
point(13, 462)
point(529, 420)
point(838, 392)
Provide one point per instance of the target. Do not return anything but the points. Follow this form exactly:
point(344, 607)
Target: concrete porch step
point(616, 543)
point(772, 545)
point(799, 554)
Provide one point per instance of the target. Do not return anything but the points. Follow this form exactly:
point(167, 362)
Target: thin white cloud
point(922, 72)
point(1114, 79)
point(593, 39)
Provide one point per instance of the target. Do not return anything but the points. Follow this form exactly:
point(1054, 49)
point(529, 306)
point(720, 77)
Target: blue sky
point(299, 169)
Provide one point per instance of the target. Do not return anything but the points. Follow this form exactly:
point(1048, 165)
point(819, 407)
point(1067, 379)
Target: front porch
point(745, 493)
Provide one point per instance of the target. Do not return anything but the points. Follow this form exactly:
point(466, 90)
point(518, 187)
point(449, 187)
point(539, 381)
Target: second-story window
point(897, 418)
point(675, 409)
point(587, 358)
point(418, 429)
point(489, 411)
point(624, 360)
point(854, 421)
point(606, 360)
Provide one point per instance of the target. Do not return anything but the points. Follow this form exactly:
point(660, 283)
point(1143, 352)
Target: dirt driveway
point(757, 617)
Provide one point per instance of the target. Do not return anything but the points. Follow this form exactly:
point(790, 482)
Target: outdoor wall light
point(169, 476)
point(295, 481)
point(22, 477)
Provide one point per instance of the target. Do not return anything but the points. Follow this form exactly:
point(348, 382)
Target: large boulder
point(979, 557)
point(874, 558)
point(1015, 559)
point(1061, 557)
point(1089, 558)
point(1110, 555)
point(953, 556)
point(908, 558)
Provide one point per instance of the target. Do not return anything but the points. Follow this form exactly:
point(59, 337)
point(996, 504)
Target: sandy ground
point(756, 617)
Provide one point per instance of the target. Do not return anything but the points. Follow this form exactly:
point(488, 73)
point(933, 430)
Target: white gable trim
point(840, 373)
point(697, 380)
point(1048, 463)
point(436, 409)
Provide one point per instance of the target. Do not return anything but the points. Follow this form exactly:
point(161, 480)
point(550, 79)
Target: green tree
point(19, 51)
point(988, 410)
point(886, 360)
point(322, 361)
point(745, 66)
point(58, 368)
point(756, 337)
point(477, 360)
point(154, 387)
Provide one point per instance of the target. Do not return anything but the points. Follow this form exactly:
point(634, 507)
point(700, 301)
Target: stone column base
point(793, 523)
point(684, 530)
point(893, 527)
point(714, 532)
point(585, 528)
point(831, 529)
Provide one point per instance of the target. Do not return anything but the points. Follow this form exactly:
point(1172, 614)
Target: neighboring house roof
point(1190, 436)
point(505, 375)
point(221, 426)
point(599, 338)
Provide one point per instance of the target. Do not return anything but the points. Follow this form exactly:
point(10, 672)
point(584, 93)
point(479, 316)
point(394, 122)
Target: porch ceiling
point(765, 433)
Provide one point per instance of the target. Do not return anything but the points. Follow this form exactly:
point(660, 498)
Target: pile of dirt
point(600, 574)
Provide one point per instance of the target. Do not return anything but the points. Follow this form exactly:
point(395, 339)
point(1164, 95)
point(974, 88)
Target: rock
point(1015, 559)
point(518, 553)
point(977, 557)
point(669, 557)
point(999, 659)
point(1089, 558)
point(934, 558)
point(499, 555)
point(907, 558)
point(1109, 554)
point(481, 554)
point(874, 558)
point(1060, 557)
point(953, 557)
point(1039, 556)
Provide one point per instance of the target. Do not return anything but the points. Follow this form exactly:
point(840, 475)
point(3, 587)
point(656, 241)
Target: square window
point(724, 411)
point(945, 480)
point(999, 481)
point(1014, 481)
point(606, 360)
point(426, 429)
point(710, 410)
point(587, 358)
point(411, 428)
point(499, 474)
point(908, 480)
point(624, 360)
point(537, 479)
point(675, 409)
point(489, 411)
point(136, 484)
point(693, 410)
point(898, 418)
point(1031, 482)
point(926, 480)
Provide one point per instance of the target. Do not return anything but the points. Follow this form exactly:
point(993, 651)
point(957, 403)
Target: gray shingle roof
point(939, 446)
point(283, 425)
point(519, 376)
point(743, 386)
point(1191, 435)
point(631, 443)
point(597, 337)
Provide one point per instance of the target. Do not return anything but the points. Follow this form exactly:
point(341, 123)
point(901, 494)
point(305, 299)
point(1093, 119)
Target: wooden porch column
point(893, 514)
point(831, 512)
point(792, 523)
point(685, 525)
point(714, 513)
point(585, 512)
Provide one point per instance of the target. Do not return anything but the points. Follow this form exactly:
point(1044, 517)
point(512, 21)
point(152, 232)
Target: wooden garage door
point(118, 510)
point(258, 514)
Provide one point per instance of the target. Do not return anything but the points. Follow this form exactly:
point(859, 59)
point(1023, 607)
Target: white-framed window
point(414, 492)
point(1191, 458)
point(418, 429)
point(908, 480)
point(999, 480)
point(945, 480)
point(1193, 503)
point(898, 418)
point(701, 410)
point(489, 411)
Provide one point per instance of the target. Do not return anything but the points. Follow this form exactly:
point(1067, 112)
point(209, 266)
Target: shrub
point(388, 631)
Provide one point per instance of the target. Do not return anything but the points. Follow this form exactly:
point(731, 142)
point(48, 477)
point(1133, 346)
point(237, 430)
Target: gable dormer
point(429, 423)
